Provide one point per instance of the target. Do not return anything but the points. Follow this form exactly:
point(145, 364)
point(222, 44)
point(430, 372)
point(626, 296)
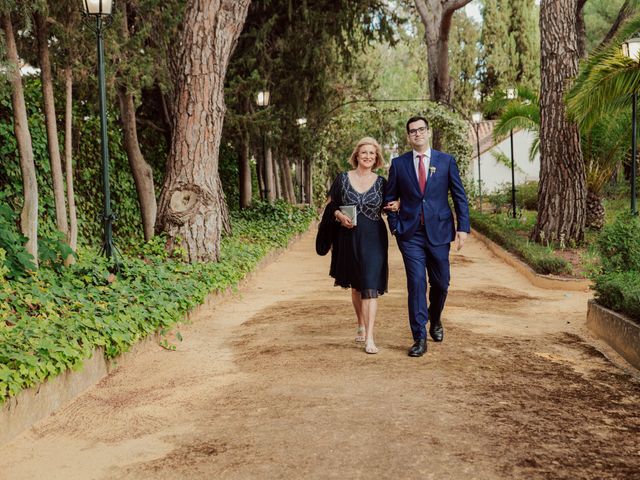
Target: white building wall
point(494, 174)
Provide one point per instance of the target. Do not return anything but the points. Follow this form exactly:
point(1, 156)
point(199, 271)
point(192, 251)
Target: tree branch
point(451, 6)
point(626, 10)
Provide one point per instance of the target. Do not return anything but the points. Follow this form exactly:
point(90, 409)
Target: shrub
point(53, 320)
point(527, 196)
point(617, 282)
point(619, 291)
point(619, 244)
point(541, 259)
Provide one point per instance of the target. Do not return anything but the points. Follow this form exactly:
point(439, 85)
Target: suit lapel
point(411, 170)
point(433, 164)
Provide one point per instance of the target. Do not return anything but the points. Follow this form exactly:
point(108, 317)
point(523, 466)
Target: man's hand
point(461, 237)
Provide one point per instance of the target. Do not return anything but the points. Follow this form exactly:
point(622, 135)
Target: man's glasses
point(415, 131)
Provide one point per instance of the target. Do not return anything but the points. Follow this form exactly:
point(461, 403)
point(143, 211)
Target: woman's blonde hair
point(367, 141)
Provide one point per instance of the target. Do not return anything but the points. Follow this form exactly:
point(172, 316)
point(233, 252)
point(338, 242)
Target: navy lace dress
point(359, 255)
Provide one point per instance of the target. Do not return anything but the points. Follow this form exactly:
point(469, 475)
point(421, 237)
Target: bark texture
point(141, 170)
point(245, 174)
point(53, 145)
point(72, 237)
point(29, 214)
point(562, 190)
point(192, 209)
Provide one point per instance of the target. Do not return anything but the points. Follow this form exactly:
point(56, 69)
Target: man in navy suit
point(424, 227)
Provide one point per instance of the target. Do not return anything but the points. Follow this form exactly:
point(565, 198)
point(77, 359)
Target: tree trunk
point(192, 208)
point(50, 122)
point(142, 172)
point(436, 17)
point(288, 181)
point(562, 191)
point(308, 184)
point(260, 170)
point(277, 179)
point(245, 173)
point(269, 176)
point(595, 211)
point(29, 214)
point(72, 238)
point(581, 29)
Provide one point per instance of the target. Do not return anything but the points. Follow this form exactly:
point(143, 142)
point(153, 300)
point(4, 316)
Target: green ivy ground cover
point(50, 321)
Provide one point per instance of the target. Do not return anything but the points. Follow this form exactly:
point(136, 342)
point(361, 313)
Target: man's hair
point(415, 119)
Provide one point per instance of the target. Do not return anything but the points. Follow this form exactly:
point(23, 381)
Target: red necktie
point(422, 173)
point(422, 180)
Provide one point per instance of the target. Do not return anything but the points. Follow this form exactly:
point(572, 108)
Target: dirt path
point(269, 384)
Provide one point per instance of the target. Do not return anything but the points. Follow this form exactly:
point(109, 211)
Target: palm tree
point(603, 143)
point(599, 101)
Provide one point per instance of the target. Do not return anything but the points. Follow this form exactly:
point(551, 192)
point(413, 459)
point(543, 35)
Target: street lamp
point(631, 49)
point(100, 10)
point(476, 117)
point(262, 100)
point(512, 94)
point(305, 170)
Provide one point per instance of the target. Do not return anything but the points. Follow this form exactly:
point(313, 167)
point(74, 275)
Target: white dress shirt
point(426, 160)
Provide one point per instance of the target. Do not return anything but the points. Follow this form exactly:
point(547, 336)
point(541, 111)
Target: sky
point(473, 10)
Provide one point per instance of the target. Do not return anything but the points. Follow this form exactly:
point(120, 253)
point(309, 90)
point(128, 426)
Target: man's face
point(418, 135)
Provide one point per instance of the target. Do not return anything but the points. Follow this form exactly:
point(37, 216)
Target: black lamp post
point(476, 117)
point(100, 10)
point(511, 95)
point(631, 49)
point(262, 100)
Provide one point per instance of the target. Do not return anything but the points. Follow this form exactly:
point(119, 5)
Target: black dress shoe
point(419, 348)
point(436, 331)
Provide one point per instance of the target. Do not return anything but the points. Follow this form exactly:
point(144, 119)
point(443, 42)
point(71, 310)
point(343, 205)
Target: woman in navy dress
point(359, 252)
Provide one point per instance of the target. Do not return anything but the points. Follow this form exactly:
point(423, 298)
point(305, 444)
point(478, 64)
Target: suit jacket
point(442, 177)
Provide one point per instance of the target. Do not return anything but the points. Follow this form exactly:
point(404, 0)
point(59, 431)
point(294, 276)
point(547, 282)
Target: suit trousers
point(421, 258)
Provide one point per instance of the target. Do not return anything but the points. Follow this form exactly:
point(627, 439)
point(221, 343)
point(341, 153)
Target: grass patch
point(512, 233)
point(50, 320)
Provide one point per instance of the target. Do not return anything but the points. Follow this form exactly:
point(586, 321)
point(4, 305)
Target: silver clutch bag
point(350, 211)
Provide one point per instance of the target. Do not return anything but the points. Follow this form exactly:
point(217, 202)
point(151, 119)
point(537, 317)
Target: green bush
point(619, 244)
point(52, 320)
point(527, 196)
point(503, 231)
point(619, 291)
point(617, 281)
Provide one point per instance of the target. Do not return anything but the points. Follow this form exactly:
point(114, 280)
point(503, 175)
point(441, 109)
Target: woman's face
point(367, 156)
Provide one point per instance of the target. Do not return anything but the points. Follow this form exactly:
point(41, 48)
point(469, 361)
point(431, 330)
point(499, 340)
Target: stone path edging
point(620, 332)
point(551, 282)
point(19, 413)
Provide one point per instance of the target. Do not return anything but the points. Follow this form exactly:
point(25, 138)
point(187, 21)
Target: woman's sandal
point(371, 349)
point(360, 335)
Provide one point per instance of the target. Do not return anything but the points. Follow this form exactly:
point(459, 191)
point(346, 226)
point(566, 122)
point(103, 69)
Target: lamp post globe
point(263, 97)
point(262, 100)
point(97, 7)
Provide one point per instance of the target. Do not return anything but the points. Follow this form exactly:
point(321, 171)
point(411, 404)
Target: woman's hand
point(343, 219)
point(393, 206)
